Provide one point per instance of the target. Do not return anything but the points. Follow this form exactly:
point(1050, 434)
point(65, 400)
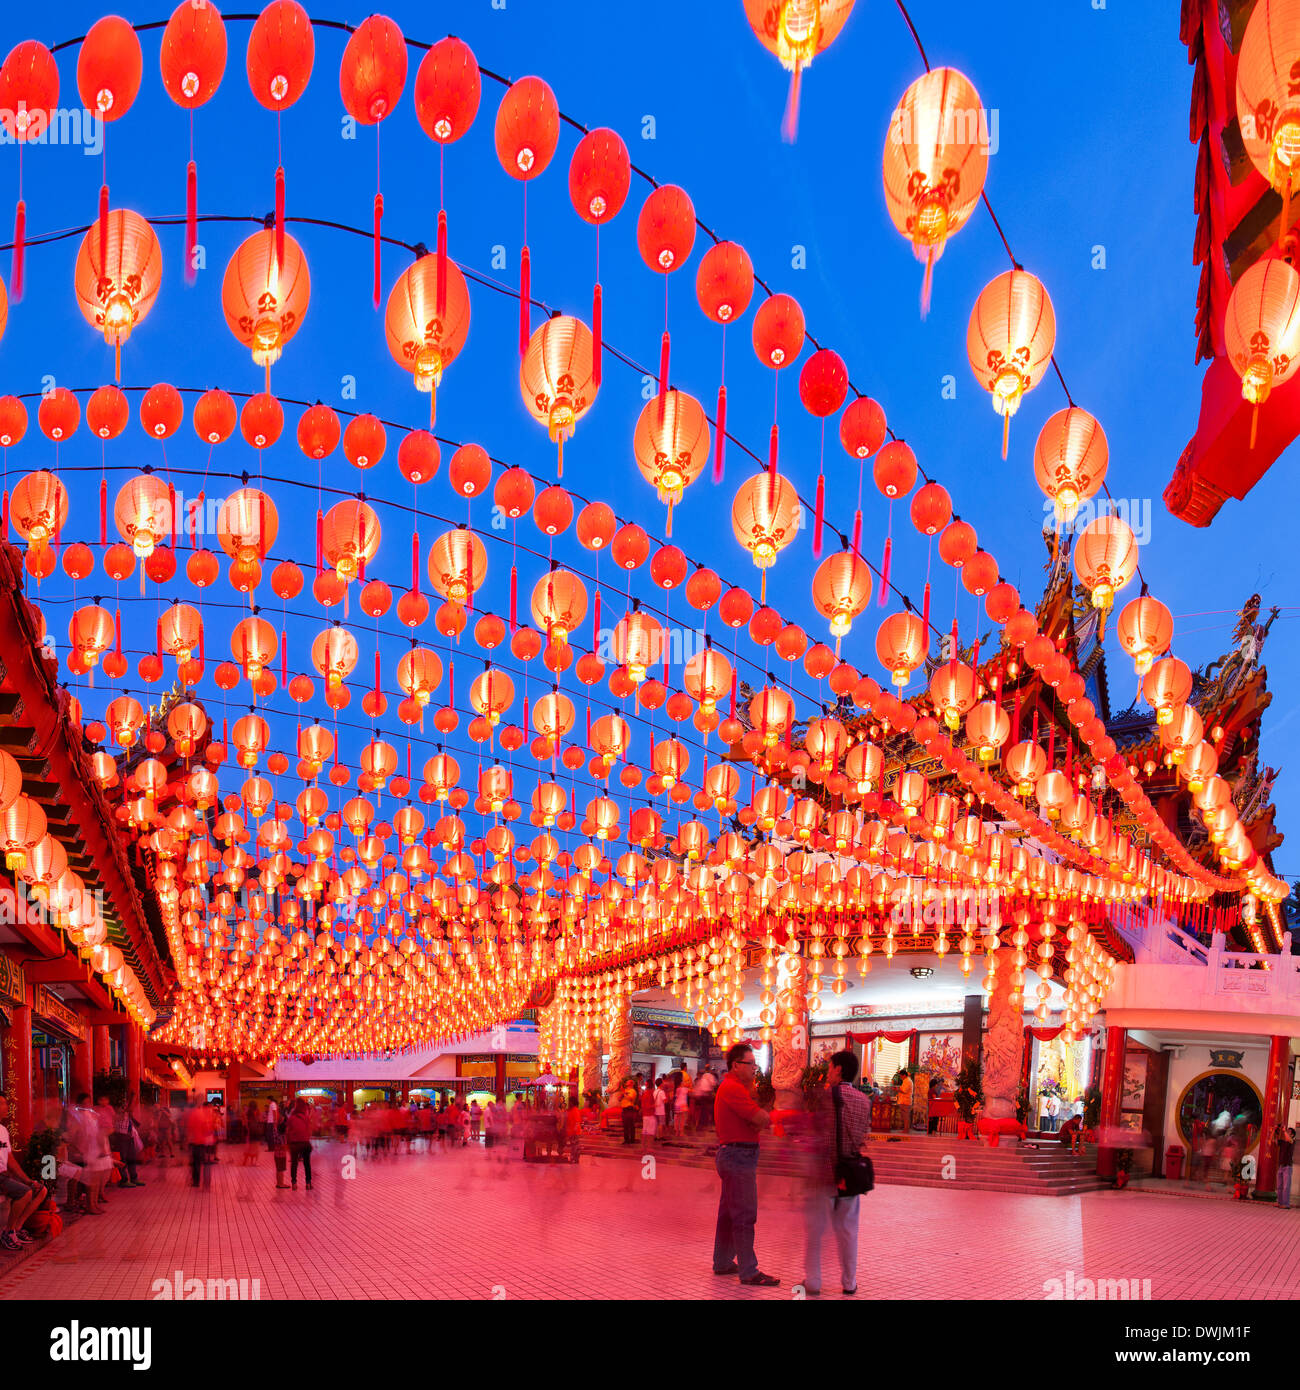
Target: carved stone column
point(790, 1036)
point(591, 1059)
point(620, 1040)
point(1004, 1043)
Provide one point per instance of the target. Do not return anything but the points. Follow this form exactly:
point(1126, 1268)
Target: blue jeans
point(821, 1206)
point(1284, 1186)
point(737, 1208)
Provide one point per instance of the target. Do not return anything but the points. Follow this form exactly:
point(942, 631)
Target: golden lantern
point(491, 693)
point(936, 161)
point(1025, 763)
point(764, 518)
point(771, 713)
point(1268, 103)
point(265, 299)
point(841, 590)
point(1145, 628)
point(419, 673)
point(350, 536)
point(247, 525)
point(91, 631)
point(1009, 340)
point(987, 728)
point(334, 654)
point(22, 825)
point(637, 643)
point(864, 767)
point(143, 514)
point(38, 508)
point(559, 604)
point(254, 645)
point(1261, 330)
point(180, 631)
point(707, 678)
point(124, 717)
point(117, 290)
point(426, 330)
point(186, 723)
point(557, 378)
point(902, 643)
point(1070, 460)
point(1105, 558)
point(671, 445)
point(457, 565)
point(1182, 733)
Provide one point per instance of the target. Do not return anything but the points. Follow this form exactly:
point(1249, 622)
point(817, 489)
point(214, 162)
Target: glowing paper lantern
point(1010, 339)
point(117, 277)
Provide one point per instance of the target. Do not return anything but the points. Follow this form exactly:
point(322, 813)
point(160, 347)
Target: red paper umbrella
point(193, 61)
point(527, 132)
point(29, 92)
point(372, 78)
point(600, 174)
point(281, 50)
point(724, 285)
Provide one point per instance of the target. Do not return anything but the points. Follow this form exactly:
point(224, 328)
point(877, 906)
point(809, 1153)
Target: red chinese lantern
point(281, 50)
point(318, 431)
point(193, 62)
point(1010, 339)
point(372, 77)
point(671, 445)
point(724, 285)
point(215, 416)
point(457, 565)
point(557, 378)
point(1268, 111)
point(118, 273)
point(527, 132)
point(107, 412)
point(796, 31)
point(266, 289)
point(109, 68)
point(902, 642)
point(262, 420)
point(29, 94)
point(1070, 460)
point(936, 161)
point(161, 411)
point(364, 441)
point(1105, 559)
point(1144, 629)
point(823, 385)
point(423, 339)
point(600, 174)
point(1261, 331)
point(418, 456)
point(841, 590)
point(350, 535)
point(764, 518)
point(38, 509)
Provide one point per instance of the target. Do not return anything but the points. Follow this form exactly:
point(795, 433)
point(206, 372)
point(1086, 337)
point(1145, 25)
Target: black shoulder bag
point(854, 1173)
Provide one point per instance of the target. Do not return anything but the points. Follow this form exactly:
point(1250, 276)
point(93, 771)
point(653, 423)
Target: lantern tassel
point(1254, 425)
point(103, 511)
point(284, 659)
point(927, 281)
point(819, 511)
point(320, 539)
point(664, 347)
point(595, 620)
point(279, 215)
point(525, 295)
point(514, 597)
point(925, 613)
point(884, 571)
point(103, 224)
point(442, 265)
point(720, 443)
point(415, 563)
point(597, 334)
point(379, 217)
point(668, 525)
point(857, 532)
point(191, 219)
point(1006, 432)
point(773, 450)
point(790, 122)
point(20, 240)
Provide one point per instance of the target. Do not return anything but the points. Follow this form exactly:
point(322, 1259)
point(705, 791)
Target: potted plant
point(1123, 1164)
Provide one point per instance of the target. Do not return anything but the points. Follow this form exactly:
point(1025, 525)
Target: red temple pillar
point(18, 1073)
point(99, 1045)
point(133, 1048)
point(1279, 1054)
point(82, 1066)
point(232, 1089)
point(499, 1079)
point(1112, 1089)
point(914, 1049)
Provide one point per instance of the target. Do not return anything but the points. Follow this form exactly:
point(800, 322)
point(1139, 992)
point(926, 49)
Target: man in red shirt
point(738, 1118)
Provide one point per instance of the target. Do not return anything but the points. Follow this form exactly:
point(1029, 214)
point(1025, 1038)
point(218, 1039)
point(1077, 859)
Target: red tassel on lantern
point(597, 334)
point(415, 563)
point(279, 215)
point(20, 237)
point(525, 299)
point(720, 443)
point(191, 219)
point(379, 217)
point(663, 364)
point(818, 514)
point(441, 282)
point(320, 539)
point(284, 659)
point(103, 223)
point(514, 597)
point(103, 511)
point(884, 571)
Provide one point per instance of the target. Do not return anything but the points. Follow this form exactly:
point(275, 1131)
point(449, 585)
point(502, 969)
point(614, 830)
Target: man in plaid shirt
point(823, 1204)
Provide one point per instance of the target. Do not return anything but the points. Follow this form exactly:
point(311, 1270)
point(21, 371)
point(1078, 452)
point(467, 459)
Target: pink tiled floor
point(460, 1225)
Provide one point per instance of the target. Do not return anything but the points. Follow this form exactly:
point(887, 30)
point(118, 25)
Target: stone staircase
point(916, 1161)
